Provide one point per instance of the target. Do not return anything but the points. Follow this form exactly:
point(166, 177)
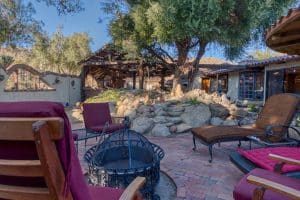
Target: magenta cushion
point(244, 190)
point(111, 128)
point(260, 157)
point(105, 193)
point(95, 114)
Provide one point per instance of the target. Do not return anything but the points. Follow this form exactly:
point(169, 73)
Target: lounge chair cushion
point(212, 134)
point(105, 193)
point(260, 157)
point(278, 109)
point(244, 190)
point(111, 128)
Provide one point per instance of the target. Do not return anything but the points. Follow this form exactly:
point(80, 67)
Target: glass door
point(275, 82)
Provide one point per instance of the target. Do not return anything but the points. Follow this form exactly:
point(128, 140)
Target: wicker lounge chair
point(38, 158)
point(271, 123)
point(261, 184)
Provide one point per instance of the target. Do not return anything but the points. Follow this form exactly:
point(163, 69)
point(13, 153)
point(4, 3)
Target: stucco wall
point(64, 91)
point(233, 85)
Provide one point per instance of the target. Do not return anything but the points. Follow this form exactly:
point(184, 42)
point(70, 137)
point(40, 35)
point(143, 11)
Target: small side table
point(266, 143)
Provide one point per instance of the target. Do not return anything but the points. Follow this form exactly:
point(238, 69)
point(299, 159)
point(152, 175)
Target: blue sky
point(88, 21)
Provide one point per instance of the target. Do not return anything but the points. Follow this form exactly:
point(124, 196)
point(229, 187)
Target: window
point(223, 83)
point(23, 80)
point(283, 81)
point(251, 85)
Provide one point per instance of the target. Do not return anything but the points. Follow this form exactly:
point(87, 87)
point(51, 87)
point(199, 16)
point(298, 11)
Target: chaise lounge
point(272, 123)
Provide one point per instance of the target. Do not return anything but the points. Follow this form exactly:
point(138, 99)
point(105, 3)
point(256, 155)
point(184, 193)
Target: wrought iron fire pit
point(124, 155)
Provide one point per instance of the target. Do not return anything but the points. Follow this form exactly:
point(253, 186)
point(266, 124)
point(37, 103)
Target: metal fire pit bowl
point(123, 156)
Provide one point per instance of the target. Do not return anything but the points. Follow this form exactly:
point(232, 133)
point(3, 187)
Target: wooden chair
point(261, 184)
point(43, 132)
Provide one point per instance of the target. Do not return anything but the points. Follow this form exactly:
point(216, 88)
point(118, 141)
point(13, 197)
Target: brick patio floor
point(193, 175)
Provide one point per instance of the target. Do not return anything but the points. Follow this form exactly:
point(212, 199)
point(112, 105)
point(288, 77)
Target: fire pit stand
point(123, 156)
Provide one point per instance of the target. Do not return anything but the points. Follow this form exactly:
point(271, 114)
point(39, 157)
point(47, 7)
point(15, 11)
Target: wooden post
point(134, 79)
point(162, 79)
point(141, 76)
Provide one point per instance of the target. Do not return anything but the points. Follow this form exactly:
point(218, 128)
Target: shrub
point(112, 95)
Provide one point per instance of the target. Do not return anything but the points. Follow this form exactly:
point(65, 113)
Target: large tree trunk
point(183, 49)
point(195, 67)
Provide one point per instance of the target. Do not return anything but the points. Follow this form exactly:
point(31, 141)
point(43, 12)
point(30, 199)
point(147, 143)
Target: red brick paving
point(194, 176)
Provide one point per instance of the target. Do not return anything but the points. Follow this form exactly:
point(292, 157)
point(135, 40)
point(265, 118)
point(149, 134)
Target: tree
point(59, 53)
point(161, 27)
point(18, 27)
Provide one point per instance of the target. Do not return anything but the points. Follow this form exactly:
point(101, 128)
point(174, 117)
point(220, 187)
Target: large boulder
point(230, 123)
point(142, 125)
point(174, 110)
point(225, 100)
point(217, 110)
point(160, 119)
point(196, 115)
point(160, 130)
point(181, 128)
point(216, 121)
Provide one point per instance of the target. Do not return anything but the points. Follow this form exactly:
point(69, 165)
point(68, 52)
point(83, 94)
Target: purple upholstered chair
point(260, 184)
point(97, 121)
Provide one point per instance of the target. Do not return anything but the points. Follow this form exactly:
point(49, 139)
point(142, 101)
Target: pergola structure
point(109, 68)
point(284, 36)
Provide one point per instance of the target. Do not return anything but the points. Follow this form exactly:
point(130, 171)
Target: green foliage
point(193, 101)
point(17, 25)
point(265, 54)
point(251, 108)
point(188, 24)
point(6, 61)
point(59, 53)
point(112, 95)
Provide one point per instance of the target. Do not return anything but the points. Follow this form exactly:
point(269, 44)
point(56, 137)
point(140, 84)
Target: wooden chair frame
point(44, 132)
point(264, 184)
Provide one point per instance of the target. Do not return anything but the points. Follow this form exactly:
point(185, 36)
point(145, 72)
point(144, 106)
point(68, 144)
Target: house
point(253, 81)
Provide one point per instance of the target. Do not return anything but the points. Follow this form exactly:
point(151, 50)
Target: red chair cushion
point(111, 128)
point(105, 193)
point(244, 190)
point(261, 159)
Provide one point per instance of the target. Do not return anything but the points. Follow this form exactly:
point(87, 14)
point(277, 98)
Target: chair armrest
point(285, 160)
point(276, 187)
point(132, 189)
point(269, 129)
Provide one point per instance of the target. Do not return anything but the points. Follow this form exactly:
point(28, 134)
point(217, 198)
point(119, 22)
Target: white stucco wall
point(233, 85)
point(64, 91)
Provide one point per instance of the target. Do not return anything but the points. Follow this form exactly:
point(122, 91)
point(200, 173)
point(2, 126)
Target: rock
point(161, 105)
point(178, 91)
point(174, 110)
point(142, 125)
point(174, 120)
point(130, 113)
point(173, 129)
point(121, 110)
point(217, 110)
point(78, 105)
point(160, 112)
point(181, 128)
point(240, 112)
point(143, 109)
point(196, 115)
point(160, 119)
point(225, 100)
point(192, 94)
point(247, 121)
point(230, 123)
point(160, 130)
point(216, 121)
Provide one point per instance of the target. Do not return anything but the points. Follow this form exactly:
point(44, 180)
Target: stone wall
point(162, 115)
point(67, 89)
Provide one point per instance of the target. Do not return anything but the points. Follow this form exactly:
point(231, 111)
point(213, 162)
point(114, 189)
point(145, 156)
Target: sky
point(88, 21)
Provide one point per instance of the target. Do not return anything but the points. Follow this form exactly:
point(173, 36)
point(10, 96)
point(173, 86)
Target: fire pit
point(124, 155)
